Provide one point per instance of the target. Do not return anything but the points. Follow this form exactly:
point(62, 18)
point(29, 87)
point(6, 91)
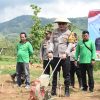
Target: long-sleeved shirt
point(85, 54)
point(24, 51)
point(44, 49)
point(59, 41)
point(72, 53)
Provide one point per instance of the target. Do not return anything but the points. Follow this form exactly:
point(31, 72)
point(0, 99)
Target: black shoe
point(91, 90)
point(84, 89)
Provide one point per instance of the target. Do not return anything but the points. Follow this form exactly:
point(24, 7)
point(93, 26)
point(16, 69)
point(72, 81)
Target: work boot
point(67, 94)
point(53, 91)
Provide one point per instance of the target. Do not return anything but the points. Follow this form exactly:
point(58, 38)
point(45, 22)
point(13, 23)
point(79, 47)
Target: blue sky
point(10, 9)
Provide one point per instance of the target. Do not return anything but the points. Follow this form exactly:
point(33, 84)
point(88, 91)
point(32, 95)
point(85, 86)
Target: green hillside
point(24, 23)
point(9, 32)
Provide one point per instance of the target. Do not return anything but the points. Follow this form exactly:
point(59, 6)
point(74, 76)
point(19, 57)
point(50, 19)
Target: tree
point(36, 30)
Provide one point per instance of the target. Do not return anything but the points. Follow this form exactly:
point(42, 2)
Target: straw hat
point(62, 19)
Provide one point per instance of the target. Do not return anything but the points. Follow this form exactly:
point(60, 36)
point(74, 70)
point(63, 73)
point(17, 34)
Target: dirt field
point(9, 91)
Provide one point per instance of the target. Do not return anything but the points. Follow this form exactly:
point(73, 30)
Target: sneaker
point(27, 86)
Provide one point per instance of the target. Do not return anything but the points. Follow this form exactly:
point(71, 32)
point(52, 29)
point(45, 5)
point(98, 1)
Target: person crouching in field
point(24, 51)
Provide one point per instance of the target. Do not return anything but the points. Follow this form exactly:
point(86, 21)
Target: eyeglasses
point(61, 23)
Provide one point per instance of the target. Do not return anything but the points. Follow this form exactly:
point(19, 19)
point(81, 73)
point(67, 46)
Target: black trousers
point(75, 69)
point(87, 69)
point(65, 64)
point(47, 71)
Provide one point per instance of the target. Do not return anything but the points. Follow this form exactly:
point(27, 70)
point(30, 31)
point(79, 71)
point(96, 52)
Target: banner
point(94, 29)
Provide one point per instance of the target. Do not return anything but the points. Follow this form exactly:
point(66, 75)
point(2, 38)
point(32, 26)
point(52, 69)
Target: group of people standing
point(73, 57)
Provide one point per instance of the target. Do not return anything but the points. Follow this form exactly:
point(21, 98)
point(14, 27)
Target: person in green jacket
point(24, 51)
point(86, 53)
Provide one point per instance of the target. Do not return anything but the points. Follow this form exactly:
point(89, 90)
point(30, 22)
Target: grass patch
point(6, 69)
point(10, 69)
point(7, 60)
point(97, 76)
point(36, 72)
point(8, 63)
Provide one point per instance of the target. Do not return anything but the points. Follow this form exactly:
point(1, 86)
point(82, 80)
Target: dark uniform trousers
point(75, 69)
point(65, 63)
point(87, 68)
point(47, 70)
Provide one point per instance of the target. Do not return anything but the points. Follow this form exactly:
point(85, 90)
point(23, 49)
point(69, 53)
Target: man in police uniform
point(60, 49)
point(44, 51)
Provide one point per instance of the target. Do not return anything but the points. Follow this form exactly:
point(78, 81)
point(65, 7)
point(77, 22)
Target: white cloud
point(51, 9)
point(75, 9)
point(10, 13)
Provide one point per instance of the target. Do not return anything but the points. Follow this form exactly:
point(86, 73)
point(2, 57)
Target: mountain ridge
point(24, 23)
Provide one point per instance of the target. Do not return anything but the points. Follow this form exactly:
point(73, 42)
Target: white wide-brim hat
point(62, 19)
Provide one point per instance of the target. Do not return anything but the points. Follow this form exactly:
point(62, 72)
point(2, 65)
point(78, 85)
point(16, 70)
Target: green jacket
point(84, 54)
point(24, 51)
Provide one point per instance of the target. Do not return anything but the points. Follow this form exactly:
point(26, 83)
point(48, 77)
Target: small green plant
point(97, 66)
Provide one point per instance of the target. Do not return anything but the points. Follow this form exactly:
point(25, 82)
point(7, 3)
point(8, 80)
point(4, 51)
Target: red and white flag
point(94, 27)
